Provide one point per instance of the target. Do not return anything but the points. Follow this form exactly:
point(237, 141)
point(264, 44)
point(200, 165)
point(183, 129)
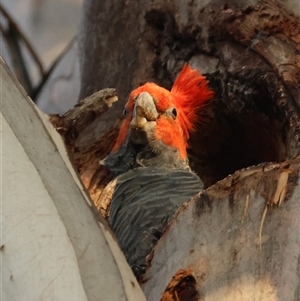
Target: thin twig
point(47, 73)
point(31, 50)
point(18, 60)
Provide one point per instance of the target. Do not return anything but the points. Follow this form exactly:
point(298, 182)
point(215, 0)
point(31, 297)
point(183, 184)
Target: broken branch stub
point(89, 131)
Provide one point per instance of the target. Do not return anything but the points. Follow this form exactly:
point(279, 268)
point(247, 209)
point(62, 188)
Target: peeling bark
point(181, 287)
point(89, 138)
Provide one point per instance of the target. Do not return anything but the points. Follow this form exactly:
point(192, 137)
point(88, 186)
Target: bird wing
point(143, 202)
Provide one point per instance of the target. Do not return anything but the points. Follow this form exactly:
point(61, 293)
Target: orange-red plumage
point(171, 134)
point(192, 93)
point(150, 162)
point(188, 94)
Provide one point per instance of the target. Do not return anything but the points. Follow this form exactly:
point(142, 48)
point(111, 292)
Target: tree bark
point(249, 50)
point(238, 240)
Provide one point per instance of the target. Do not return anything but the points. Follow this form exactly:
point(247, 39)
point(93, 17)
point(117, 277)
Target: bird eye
point(125, 112)
point(171, 113)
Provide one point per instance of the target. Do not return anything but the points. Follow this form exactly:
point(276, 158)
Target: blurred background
point(38, 42)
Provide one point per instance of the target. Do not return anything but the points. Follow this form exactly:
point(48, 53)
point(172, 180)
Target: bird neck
point(130, 156)
point(161, 156)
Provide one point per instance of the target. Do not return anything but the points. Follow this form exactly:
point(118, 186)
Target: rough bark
point(237, 240)
point(89, 133)
point(250, 53)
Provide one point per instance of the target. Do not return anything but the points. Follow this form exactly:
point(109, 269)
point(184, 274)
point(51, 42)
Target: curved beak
point(144, 111)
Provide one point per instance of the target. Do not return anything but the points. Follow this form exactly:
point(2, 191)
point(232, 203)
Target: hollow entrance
point(249, 130)
point(251, 118)
point(221, 149)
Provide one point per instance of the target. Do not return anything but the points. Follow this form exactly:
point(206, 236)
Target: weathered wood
point(249, 50)
point(224, 245)
point(231, 241)
point(75, 121)
point(255, 115)
point(250, 54)
point(89, 138)
point(270, 31)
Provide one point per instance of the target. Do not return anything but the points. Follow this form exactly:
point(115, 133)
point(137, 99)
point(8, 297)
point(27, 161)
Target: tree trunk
point(249, 53)
point(238, 240)
point(249, 50)
point(229, 241)
point(53, 247)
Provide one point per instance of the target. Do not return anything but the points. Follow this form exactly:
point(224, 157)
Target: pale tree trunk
point(52, 245)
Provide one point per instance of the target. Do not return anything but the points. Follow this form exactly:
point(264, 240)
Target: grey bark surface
point(235, 239)
point(240, 239)
point(249, 50)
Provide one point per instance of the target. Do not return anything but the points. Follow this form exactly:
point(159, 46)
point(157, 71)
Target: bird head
point(158, 121)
